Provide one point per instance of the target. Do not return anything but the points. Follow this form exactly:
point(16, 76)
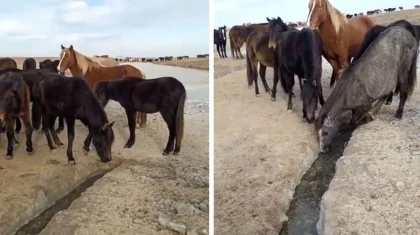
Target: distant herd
point(159, 59)
point(371, 63)
point(83, 96)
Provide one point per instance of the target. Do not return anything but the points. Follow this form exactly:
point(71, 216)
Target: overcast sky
point(140, 28)
point(234, 12)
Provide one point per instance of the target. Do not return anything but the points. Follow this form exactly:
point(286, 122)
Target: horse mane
point(338, 20)
point(85, 63)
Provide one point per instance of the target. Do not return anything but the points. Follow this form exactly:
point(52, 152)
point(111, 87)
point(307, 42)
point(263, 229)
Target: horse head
point(317, 13)
point(275, 27)
point(67, 59)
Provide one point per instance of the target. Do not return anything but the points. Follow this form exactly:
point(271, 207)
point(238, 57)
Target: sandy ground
point(261, 152)
point(147, 194)
point(193, 63)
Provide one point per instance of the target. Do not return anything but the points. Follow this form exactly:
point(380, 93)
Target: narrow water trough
point(304, 209)
point(36, 225)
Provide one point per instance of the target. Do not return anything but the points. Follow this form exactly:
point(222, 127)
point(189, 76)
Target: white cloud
point(97, 26)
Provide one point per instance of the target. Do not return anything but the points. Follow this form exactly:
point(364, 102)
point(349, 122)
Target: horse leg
point(379, 104)
point(18, 125)
point(10, 132)
point(26, 119)
point(87, 142)
point(240, 53)
point(218, 50)
point(46, 130)
point(143, 118)
point(224, 50)
point(51, 122)
point(320, 95)
point(335, 69)
point(132, 127)
point(389, 99)
point(290, 82)
point(60, 125)
point(262, 71)
point(403, 97)
point(170, 122)
point(70, 135)
point(254, 74)
point(275, 81)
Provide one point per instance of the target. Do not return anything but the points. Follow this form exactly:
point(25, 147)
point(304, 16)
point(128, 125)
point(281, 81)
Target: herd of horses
point(83, 96)
point(371, 63)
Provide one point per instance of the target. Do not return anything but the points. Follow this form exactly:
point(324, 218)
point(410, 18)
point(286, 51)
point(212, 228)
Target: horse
point(257, 51)
point(72, 98)
point(165, 95)
point(341, 36)
point(6, 63)
point(92, 72)
point(219, 36)
point(14, 104)
point(298, 52)
point(29, 64)
point(369, 79)
point(51, 65)
point(374, 32)
point(239, 34)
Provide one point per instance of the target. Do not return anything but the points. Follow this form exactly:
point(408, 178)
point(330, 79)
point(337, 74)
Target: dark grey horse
point(389, 61)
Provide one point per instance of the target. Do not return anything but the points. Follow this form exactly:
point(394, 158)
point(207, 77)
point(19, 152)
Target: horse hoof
point(175, 153)
point(30, 152)
point(273, 99)
point(127, 146)
point(138, 126)
point(9, 157)
point(257, 95)
point(85, 152)
point(289, 110)
point(165, 153)
point(60, 145)
point(249, 87)
point(72, 163)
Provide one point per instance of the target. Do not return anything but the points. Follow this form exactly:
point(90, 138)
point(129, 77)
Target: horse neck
point(96, 118)
point(327, 32)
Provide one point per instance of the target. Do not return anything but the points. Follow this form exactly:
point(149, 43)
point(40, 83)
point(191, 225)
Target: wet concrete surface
point(304, 209)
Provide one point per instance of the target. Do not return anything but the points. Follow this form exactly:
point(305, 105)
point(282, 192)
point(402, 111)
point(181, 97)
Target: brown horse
point(257, 51)
point(239, 34)
point(82, 66)
point(341, 36)
point(7, 63)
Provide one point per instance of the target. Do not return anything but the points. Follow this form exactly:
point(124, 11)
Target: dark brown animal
point(7, 63)
point(239, 34)
point(14, 104)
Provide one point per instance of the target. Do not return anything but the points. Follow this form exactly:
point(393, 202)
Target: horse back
point(355, 32)
point(6, 63)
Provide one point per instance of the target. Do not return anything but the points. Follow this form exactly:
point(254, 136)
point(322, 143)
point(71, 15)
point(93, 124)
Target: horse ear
point(71, 47)
point(278, 18)
point(268, 19)
point(62, 47)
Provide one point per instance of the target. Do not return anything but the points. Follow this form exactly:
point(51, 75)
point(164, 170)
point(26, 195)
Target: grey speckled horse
point(389, 61)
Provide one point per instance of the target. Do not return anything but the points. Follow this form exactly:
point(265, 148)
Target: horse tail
point(231, 43)
point(412, 76)
point(179, 118)
point(36, 115)
point(249, 70)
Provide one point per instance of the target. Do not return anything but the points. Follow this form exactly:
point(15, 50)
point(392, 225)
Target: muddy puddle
point(36, 225)
point(304, 209)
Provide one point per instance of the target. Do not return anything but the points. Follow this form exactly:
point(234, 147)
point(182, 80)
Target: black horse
point(375, 31)
point(165, 95)
point(298, 52)
point(71, 98)
point(29, 64)
point(51, 65)
point(220, 41)
point(14, 105)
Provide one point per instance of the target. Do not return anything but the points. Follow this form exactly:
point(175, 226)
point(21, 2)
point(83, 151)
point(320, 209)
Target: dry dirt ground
point(261, 152)
point(193, 63)
point(146, 193)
